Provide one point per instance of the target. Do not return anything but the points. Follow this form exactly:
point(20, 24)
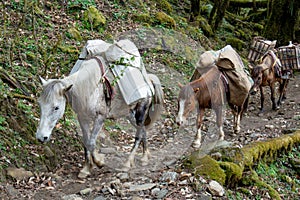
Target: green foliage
point(236, 43)
point(165, 20)
point(83, 4)
point(3, 124)
point(164, 5)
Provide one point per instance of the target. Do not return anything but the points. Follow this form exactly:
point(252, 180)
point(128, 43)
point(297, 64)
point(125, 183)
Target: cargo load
point(289, 56)
point(259, 47)
point(124, 62)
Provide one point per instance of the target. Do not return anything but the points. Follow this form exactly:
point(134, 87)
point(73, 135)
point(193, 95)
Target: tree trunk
point(195, 9)
point(217, 13)
point(281, 25)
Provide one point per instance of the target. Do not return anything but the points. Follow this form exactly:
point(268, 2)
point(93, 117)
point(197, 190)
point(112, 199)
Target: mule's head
point(52, 104)
point(186, 103)
point(257, 73)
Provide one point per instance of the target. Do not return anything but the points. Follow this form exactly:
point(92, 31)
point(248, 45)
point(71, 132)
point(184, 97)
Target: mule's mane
point(269, 56)
point(47, 93)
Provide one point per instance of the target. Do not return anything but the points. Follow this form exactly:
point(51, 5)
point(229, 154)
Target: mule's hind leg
point(282, 91)
point(262, 99)
point(219, 118)
point(274, 104)
point(146, 153)
point(138, 138)
point(141, 110)
point(236, 121)
point(197, 140)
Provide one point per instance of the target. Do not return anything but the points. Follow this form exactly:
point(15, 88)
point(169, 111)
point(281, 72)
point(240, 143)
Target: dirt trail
point(167, 144)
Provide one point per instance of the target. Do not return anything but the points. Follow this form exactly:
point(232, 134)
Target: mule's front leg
point(86, 170)
point(89, 142)
point(85, 128)
point(197, 140)
point(98, 159)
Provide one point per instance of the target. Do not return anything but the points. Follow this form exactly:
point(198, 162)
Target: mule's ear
point(68, 88)
point(180, 85)
point(265, 69)
point(250, 66)
point(43, 81)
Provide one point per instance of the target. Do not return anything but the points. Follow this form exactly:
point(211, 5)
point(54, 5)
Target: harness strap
point(108, 88)
point(225, 82)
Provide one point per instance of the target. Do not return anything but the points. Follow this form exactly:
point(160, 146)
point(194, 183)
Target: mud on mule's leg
point(197, 140)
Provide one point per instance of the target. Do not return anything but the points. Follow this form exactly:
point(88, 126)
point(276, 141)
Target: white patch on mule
point(181, 110)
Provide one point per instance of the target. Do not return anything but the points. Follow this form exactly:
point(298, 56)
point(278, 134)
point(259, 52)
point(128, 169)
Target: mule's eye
point(56, 108)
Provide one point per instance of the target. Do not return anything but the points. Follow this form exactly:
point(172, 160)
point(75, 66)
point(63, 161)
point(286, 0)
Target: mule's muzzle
point(179, 121)
point(252, 92)
point(43, 139)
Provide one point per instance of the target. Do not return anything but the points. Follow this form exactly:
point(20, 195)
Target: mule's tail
point(157, 103)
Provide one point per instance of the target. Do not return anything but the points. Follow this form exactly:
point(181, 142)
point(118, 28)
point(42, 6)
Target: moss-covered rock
point(202, 23)
point(94, 17)
point(233, 173)
point(234, 162)
point(206, 167)
point(75, 34)
point(165, 19)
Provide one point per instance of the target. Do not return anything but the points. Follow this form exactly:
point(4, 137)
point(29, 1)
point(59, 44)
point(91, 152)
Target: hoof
point(145, 158)
point(144, 162)
point(237, 130)
point(124, 169)
point(129, 164)
point(98, 159)
point(84, 173)
point(196, 145)
point(275, 108)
